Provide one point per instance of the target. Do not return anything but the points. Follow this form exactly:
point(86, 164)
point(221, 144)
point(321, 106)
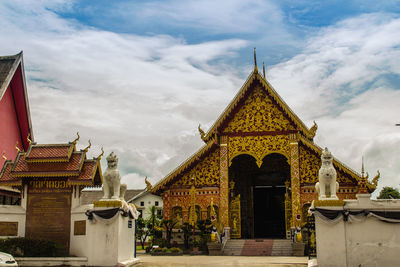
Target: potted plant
point(196, 245)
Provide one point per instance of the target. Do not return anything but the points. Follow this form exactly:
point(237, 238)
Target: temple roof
point(187, 164)
point(52, 161)
point(8, 66)
point(12, 72)
point(306, 135)
point(230, 109)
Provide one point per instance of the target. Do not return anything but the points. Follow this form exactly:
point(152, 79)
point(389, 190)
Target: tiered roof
point(52, 160)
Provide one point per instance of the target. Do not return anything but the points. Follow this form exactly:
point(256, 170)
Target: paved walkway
point(181, 261)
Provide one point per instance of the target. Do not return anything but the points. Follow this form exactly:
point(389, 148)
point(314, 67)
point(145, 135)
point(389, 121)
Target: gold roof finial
point(76, 139)
point(202, 133)
point(28, 138)
point(17, 148)
point(87, 148)
point(3, 155)
point(362, 167)
point(264, 70)
point(102, 153)
point(148, 184)
point(255, 61)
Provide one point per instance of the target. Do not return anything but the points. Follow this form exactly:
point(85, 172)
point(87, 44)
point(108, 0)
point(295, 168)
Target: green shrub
point(175, 250)
point(21, 246)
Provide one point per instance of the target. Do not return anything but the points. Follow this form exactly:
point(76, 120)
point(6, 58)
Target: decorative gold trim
point(29, 139)
point(325, 203)
point(184, 166)
point(107, 204)
point(46, 160)
point(102, 153)
point(76, 139)
point(17, 148)
point(52, 174)
point(87, 148)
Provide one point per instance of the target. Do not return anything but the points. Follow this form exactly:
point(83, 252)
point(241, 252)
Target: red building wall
point(9, 126)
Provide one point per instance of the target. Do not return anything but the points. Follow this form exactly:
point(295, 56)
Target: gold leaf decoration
point(206, 172)
point(259, 113)
point(258, 146)
point(309, 166)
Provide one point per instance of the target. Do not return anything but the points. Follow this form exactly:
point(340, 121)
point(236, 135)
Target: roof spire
point(255, 61)
point(87, 148)
point(264, 70)
point(102, 153)
point(362, 166)
point(3, 155)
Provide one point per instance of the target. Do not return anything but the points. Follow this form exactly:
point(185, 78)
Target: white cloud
point(140, 96)
point(214, 16)
point(342, 80)
point(143, 96)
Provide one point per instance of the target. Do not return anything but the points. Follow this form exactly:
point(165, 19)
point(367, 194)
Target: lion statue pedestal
point(111, 231)
point(327, 185)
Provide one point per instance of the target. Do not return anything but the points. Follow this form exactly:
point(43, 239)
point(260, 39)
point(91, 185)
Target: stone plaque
point(79, 227)
point(8, 228)
point(48, 214)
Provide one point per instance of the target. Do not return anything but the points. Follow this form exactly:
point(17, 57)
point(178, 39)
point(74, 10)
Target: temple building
point(258, 167)
point(15, 119)
point(50, 178)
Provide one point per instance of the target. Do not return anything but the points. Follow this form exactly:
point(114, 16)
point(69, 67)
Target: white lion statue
point(112, 187)
point(327, 185)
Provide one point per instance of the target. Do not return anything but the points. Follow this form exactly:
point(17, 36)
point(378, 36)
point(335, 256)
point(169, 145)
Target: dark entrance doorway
point(269, 212)
point(262, 193)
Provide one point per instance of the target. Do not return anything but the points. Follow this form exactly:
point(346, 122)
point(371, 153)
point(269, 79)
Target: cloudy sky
point(137, 77)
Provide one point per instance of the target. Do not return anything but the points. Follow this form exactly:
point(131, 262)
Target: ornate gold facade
point(256, 123)
point(259, 113)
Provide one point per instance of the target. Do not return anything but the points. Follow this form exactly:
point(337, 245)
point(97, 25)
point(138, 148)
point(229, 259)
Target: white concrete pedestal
point(111, 244)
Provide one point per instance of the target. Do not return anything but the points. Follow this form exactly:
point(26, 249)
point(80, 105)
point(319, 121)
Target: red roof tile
point(23, 167)
point(49, 152)
point(5, 174)
point(39, 162)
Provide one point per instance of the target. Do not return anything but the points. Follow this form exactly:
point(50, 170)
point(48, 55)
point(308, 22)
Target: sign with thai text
point(48, 214)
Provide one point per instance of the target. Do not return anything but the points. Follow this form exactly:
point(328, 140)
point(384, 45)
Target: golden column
point(295, 180)
point(224, 187)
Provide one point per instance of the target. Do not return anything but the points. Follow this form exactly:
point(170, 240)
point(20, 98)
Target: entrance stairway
point(258, 247)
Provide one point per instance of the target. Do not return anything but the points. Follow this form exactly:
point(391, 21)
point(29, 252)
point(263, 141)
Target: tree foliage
point(389, 193)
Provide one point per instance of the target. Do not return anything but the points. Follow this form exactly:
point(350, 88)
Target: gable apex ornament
point(202, 134)
point(255, 61)
point(148, 184)
point(314, 129)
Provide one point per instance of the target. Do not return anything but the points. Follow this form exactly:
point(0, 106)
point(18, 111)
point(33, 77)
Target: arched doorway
point(262, 194)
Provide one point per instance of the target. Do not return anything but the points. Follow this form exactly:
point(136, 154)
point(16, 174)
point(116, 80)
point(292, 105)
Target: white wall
point(79, 243)
point(362, 242)
point(149, 201)
point(13, 213)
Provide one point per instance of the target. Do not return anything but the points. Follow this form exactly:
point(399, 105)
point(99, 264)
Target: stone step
point(258, 247)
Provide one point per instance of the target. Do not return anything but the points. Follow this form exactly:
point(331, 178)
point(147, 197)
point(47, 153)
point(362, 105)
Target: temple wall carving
point(206, 172)
point(258, 146)
point(181, 198)
point(310, 163)
point(259, 113)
